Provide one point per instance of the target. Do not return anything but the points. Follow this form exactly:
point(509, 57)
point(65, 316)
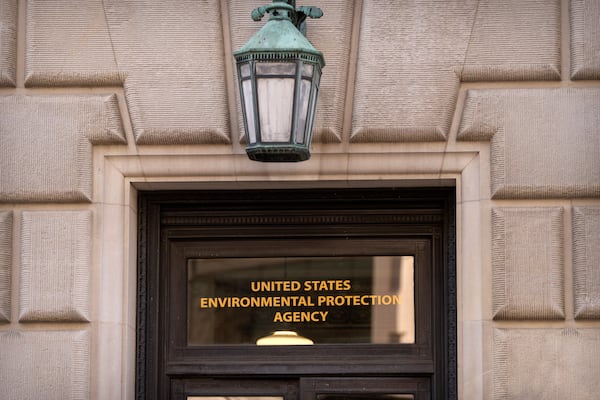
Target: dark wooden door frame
point(169, 218)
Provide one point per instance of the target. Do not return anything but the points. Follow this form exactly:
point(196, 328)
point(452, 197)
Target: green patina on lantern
point(279, 72)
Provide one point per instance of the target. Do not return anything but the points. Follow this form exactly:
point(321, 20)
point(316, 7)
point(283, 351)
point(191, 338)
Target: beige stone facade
point(100, 99)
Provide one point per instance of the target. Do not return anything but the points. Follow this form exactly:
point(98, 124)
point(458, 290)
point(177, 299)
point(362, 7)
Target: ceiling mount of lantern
point(279, 72)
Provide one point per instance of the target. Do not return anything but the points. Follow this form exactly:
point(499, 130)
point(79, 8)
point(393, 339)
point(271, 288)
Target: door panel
point(365, 389)
point(234, 389)
point(304, 389)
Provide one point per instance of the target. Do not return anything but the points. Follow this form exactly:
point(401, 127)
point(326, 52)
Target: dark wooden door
point(181, 233)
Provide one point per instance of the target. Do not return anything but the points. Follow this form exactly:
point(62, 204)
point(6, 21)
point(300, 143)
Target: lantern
point(279, 72)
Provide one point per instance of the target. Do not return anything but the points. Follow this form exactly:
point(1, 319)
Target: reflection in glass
point(283, 338)
point(324, 299)
point(394, 275)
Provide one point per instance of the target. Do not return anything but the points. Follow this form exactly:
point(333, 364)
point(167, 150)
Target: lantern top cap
point(280, 36)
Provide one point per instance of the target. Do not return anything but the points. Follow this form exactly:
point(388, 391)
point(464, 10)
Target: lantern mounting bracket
point(296, 15)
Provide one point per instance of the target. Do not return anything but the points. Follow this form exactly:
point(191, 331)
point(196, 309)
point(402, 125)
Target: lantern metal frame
point(277, 55)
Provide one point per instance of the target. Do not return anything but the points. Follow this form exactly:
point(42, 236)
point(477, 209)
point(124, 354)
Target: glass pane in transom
point(362, 299)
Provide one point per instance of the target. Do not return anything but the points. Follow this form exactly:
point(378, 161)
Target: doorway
point(365, 276)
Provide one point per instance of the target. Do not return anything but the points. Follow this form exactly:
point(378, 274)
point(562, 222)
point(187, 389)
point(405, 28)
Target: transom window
point(301, 300)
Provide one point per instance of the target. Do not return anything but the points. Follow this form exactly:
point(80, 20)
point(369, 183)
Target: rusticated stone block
point(8, 42)
point(331, 35)
point(5, 264)
point(412, 56)
point(173, 54)
point(169, 54)
point(69, 45)
point(552, 364)
point(46, 145)
point(585, 39)
point(514, 40)
point(527, 262)
point(50, 365)
point(544, 142)
point(408, 69)
point(55, 265)
point(586, 261)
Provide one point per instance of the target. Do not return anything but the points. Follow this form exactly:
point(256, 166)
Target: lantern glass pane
point(275, 105)
point(313, 105)
point(276, 69)
point(307, 70)
point(245, 70)
point(303, 110)
point(249, 109)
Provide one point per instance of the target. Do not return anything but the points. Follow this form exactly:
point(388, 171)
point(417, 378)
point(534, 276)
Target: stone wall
point(102, 98)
